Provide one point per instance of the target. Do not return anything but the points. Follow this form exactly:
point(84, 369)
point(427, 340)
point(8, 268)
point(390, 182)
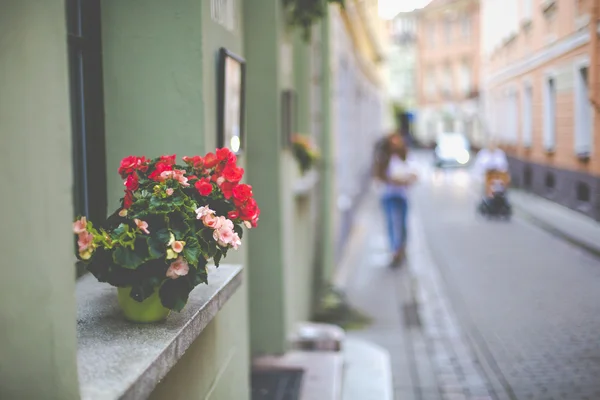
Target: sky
point(389, 8)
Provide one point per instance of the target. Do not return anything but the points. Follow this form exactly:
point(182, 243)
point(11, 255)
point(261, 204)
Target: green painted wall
point(160, 65)
point(215, 367)
point(154, 99)
point(37, 317)
point(266, 270)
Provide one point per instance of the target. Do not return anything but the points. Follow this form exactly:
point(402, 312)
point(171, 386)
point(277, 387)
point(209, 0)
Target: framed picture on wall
point(288, 116)
point(231, 98)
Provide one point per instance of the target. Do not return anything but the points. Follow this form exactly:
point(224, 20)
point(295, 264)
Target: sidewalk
point(412, 318)
point(559, 220)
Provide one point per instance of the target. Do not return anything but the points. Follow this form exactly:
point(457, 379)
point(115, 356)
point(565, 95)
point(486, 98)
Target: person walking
point(397, 173)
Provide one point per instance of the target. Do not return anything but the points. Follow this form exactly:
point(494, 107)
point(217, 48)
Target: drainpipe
point(594, 81)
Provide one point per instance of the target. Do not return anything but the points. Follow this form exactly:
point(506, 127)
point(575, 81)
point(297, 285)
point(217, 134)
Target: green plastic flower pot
point(147, 311)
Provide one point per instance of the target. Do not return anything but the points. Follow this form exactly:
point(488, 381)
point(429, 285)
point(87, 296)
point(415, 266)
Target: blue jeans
point(396, 209)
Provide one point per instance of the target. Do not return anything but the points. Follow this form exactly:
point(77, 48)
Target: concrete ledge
point(322, 378)
point(367, 371)
point(317, 337)
point(118, 359)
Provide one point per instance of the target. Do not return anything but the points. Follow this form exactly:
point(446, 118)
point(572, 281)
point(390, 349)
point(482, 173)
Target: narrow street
point(482, 309)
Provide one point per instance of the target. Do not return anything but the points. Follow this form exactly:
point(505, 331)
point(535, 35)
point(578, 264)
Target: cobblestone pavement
point(483, 309)
point(529, 301)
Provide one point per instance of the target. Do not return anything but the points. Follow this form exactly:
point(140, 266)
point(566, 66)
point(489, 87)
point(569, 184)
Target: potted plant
point(305, 153)
point(173, 220)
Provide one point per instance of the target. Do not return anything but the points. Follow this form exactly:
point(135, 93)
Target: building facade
point(540, 72)
point(358, 103)
point(402, 60)
point(448, 69)
point(86, 83)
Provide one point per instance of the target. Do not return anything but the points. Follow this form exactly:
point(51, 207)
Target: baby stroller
point(495, 202)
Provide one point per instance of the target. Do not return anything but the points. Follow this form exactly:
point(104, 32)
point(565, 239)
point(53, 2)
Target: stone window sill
point(122, 360)
point(304, 184)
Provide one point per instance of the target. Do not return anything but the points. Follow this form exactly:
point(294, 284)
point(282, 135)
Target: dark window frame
point(87, 109)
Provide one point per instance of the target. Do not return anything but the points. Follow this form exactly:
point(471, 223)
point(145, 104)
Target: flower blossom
point(178, 268)
point(80, 225)
point(142, 225)
point(177, 246)
point(202, 211)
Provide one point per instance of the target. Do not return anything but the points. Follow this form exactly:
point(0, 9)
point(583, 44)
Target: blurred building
point(357, 54)
point(401, 64)
point(448, 69)
point(539, 75)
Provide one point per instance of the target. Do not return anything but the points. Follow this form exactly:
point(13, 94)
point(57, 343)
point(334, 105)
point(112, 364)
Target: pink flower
point(177, 246)
point(142, 225)
point(179, 176)
point(212, 221)
point(85, 241)
point(224, 234)
point(247, 224)
point(169, 191)
point(235, 241)
point(80, 225)
point(202, 211)
point(178, 268)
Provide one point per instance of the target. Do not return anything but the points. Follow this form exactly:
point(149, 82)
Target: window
point(583, 113)
point(87, 109)
point(527, 120)
point(431, 33)
point(466, 26)
point(550, 115)
point(583, 192)
point(550, 182)
point(527, 177)
point(465, 77)
point(448, 30)
point(513, 117)
point(527, 10)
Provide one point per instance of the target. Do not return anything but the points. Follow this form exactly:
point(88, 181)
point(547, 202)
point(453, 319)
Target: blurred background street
point(482, 309)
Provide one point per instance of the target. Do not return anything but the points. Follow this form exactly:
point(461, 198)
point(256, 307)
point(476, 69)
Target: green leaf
point(127, 258)
point(144, 289)
point(163, 236)
point(177, 223)
point(217, 258)
point(156, 247)
point(174, 293)
point(192, 251)
point(239, 230)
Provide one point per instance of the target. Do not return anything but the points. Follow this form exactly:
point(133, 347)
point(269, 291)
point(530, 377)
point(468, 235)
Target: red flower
point(169, 160)
point(227, 189)
point(249, 210)
point(128, 199)
point(159, 168)
point(241, 193)
point(142, 163)
point(128, 165)
point(210, 160)
point(233, 173)
point(223, 154)
point(132, 182)
point(196, 162)
point(233, 215)
point(192, 177)
point(204, 187)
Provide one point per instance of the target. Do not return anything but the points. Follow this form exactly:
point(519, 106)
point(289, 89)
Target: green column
point(302, 82)
point(266, 269)
point(327, 172)
point(38, 340)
